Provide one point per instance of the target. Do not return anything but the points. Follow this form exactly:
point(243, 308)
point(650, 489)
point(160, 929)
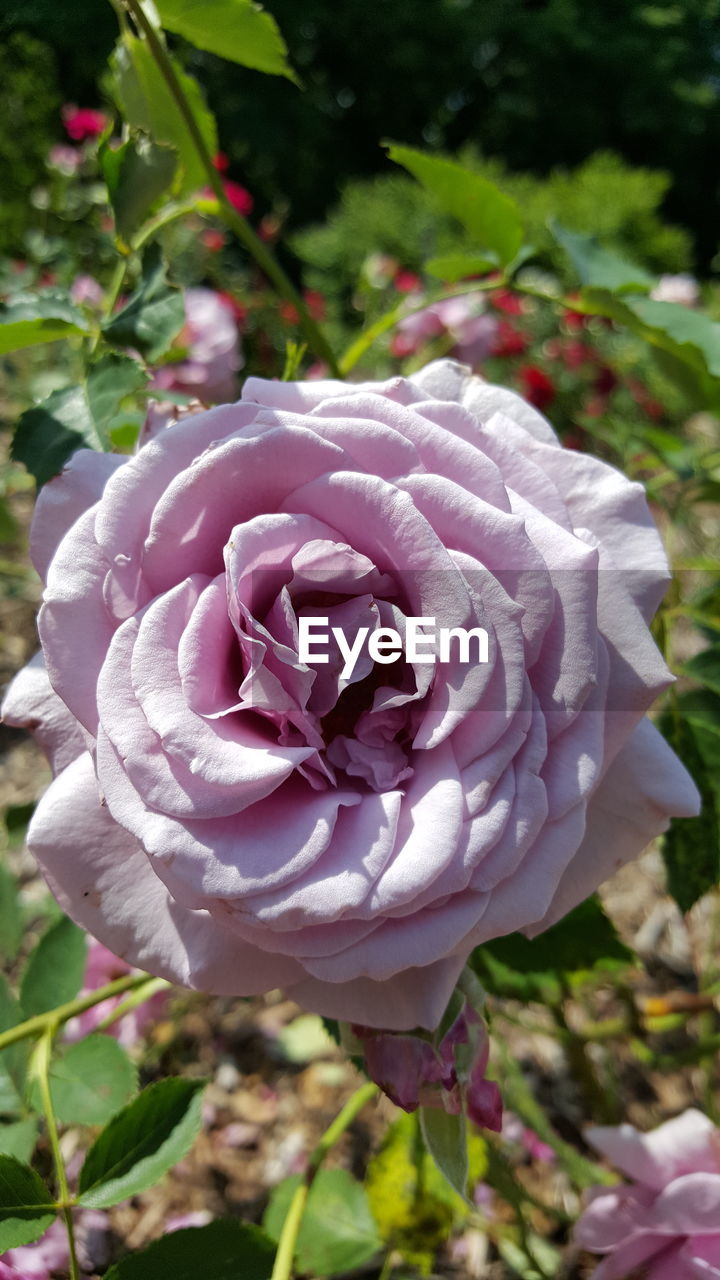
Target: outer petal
point(31, 703)
point(414, 998)
point(644, 787)
point(686, 1144)
point(103, 879)
point(64, 499)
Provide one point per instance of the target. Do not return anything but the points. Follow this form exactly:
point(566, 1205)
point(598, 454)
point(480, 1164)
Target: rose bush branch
point(242, 229)
point(362, 344)
point(41, 1065)
point(283, 1267)
point(63, 1013)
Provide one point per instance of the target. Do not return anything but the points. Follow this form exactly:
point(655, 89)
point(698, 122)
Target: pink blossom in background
point(50, 1253)
point(463, 319)
point(236, 819)
point(65, 159)
point(163, 414)
point(196, 1218)
point(414, 1073)
point(103, 967)
point(664, 1224)
point(407, 281)
point(682, 288)
point(83, 122)
point(214, 355)
point(513, 1130)
point(239, 196)
point(87, 289)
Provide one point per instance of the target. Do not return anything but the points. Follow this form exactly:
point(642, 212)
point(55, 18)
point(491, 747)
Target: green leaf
point(145, 101)
point(11, 923)
point(337, 1232)
point(458, 266)
point(223, 1250)
point(26, 1208)
point(91, 1080)
point(685, 334)
point(584, 941)
point(705, 668)
point(305, 1038)
point(235, 29)
point(683, 326)
point(491, 217)
point(38, 318)
point(76, 417)
point(142, 1142)
point(110, 381)
point(601, 267)
point(18, 1138)
point(445, 1137)
point(137, 173)
point(154, 313)
point(52, 432)
point(55, 969)
point(13, 1061)
point(691, 848)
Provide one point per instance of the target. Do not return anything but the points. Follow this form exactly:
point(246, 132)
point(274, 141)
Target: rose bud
point(415, 1072)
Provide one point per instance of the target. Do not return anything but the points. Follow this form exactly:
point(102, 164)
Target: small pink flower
point(682, 289)
point(196, 1218)
point(103, 967)
point(464, 321)
point(407, 282)
point(413, 1072)
point(86, 289)
point(65, 159)
point(667, 1221)
point(513, 1130)
point(214, 356)
point(83, 122)
point(36, 1261)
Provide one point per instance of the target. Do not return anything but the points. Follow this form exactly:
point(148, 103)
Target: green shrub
point(392, 215)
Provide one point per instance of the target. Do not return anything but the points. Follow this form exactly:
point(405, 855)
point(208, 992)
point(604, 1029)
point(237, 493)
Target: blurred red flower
point(537, 387)
point(82, 122)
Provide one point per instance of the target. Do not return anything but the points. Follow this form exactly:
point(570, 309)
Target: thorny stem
point(254, 245)
point(283, 1268)
point(386, 322)
point(42, 1066)
point(135, 998)
point(39, 1024)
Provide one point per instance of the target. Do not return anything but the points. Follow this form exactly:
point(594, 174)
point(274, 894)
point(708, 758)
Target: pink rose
point(103, 967)
point(87, 289)
point(463, 320)
point(667, 1221)
point(234, 819)
point(214, 357)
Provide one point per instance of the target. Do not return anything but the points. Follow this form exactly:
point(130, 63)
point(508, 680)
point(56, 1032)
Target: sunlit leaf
point(142, 1142)
point(337, 1232)
point(491, 217)
point(146, 102)
point(239, 30)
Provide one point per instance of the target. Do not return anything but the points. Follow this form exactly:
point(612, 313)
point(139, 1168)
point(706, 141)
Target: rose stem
point(283, 1268)
point(254, 245)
